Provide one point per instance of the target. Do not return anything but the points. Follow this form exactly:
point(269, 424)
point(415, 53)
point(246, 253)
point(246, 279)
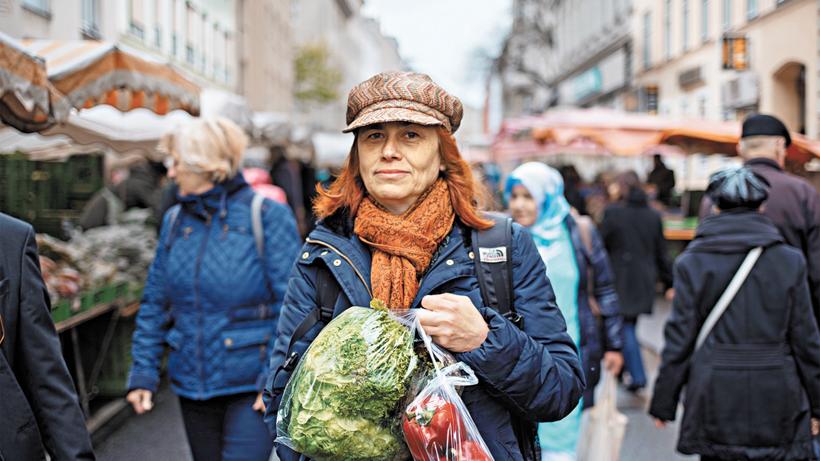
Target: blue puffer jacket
point(211, 298)
point(596, 338)
point(534, 373)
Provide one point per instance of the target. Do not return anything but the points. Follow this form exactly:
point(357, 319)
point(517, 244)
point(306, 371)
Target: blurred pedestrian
point(793, 205)
point(663, 179)
point(39, 411)
point(140, 189)
point(572, 188)
point(633, 236)
point(260, 182)
point(213, 297)
point(741, 338)
point(578, 267)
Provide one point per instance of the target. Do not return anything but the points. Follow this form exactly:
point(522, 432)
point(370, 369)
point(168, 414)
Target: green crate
point(113, 378)
point(61, 310)
point(120, 291)
point(95, 297)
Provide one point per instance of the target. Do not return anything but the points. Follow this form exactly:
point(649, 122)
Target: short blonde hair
point(212, 147)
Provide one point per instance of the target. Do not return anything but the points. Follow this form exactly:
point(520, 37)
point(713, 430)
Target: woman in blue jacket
point(572, 255)
point(213, 295)
point(396, 225)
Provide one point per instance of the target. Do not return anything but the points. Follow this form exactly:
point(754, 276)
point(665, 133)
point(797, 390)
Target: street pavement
point(160, 436)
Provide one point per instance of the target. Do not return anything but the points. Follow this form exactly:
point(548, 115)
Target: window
point(137, 18)
point(704, 20)
point(647, 40)
point(158, 17)
point(191, 19)
point(91, 15)
point(685, 25)
point(667, 29)
point(751, 9)
point(41, 7)
point(727, 14)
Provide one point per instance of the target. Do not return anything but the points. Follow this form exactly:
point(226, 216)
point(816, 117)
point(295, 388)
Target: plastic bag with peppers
point(436, 424)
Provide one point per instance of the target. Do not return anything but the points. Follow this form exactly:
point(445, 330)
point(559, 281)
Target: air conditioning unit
point(742, 91)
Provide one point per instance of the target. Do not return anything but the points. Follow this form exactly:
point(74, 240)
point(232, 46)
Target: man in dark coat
point(39, 411)
point(663, 179)
point(793, 205)
point(752, 386)
point(633, 235)
point(141, 189)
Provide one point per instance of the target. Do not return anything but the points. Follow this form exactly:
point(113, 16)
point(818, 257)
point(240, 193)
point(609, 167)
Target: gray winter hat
point(737, 188)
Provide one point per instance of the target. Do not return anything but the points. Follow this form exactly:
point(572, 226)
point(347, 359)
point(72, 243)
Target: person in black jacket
point(793, 205)
point(753, 385)
point(633, 236)
point(39, 410)
point(663, 179)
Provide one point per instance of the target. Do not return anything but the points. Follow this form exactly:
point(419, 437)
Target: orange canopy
point(623, 133)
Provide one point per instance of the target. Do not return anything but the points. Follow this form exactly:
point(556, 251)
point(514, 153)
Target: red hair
point(467, 195)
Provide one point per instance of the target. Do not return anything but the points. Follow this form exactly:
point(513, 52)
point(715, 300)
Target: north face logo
point(493, 255)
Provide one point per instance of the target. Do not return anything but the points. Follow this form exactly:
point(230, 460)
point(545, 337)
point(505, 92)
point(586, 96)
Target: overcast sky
point(440, 37)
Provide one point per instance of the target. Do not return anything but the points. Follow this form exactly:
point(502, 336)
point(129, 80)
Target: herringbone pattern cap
point(402, 97)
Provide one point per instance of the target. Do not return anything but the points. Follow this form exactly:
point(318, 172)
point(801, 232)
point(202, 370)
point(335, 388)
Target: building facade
point(240, 46)
point(566, 52)
point(724, 59)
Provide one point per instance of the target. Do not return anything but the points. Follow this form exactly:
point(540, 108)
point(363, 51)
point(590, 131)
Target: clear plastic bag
point(436, 424)
point(345, 398)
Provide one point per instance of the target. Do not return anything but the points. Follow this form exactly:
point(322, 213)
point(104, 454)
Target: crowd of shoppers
point(230, 289)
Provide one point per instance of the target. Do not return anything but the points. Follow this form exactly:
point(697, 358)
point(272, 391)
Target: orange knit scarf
point(403, 245)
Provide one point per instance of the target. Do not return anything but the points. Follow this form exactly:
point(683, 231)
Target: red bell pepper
point(432, 428)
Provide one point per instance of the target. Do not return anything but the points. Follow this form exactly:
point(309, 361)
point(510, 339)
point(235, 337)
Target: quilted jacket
point(211, 298)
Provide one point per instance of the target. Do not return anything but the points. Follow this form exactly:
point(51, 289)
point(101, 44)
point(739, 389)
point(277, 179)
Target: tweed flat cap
point(402, 97)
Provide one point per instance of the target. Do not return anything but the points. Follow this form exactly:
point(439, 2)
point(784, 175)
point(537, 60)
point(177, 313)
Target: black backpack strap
point(327, 292)
point(492, 249)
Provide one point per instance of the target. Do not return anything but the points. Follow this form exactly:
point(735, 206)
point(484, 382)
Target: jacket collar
point(359, 253)
point(762, 161)
point(206, 204)
point(735, 232)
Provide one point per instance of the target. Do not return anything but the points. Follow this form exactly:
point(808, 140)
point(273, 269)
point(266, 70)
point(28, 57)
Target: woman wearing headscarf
point(395, 226)
point(535, 194)
point(633, 235)
point(752, 378)
point(213, 296)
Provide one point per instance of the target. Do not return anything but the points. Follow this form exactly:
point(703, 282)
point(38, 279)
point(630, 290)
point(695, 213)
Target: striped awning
point(26, 95)
point(90, 73)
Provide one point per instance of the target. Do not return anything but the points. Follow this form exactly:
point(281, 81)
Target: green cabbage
point(344, 399)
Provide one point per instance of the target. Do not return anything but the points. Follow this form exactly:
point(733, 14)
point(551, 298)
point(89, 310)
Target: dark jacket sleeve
point(805, 342)
point(813, 249)
point(535, 371)
point(44, 375)
point(662, 256)
point(281, 248)
point(605, 294)
point(153, 321)
point(300, 300)
point(680, 334)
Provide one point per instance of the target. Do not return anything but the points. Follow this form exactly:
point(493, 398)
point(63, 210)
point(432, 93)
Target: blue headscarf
point(546, 186)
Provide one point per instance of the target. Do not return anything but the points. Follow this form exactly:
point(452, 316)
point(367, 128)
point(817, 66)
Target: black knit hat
point(737, 188)
point(765, 125)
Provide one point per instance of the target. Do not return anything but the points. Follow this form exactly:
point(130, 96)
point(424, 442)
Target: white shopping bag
point(606, 426)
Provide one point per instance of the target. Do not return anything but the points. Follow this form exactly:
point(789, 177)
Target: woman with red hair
point(396, 226)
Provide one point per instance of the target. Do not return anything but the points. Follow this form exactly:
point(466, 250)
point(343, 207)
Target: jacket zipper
point(359, 274)
point(197, 274)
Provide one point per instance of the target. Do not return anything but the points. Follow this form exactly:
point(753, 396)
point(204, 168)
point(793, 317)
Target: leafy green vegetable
point(344, 400)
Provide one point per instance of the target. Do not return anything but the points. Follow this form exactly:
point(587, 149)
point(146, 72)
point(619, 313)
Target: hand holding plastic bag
point(436, 424)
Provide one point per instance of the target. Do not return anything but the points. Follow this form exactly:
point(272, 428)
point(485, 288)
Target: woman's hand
point(259, 404)
point(659, 423)
point(613, 362)
point(453, 322)
point(141, 400)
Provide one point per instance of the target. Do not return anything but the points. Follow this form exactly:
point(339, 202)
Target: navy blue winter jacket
point(534, 373)
point(606, 336)
point(211, 298)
